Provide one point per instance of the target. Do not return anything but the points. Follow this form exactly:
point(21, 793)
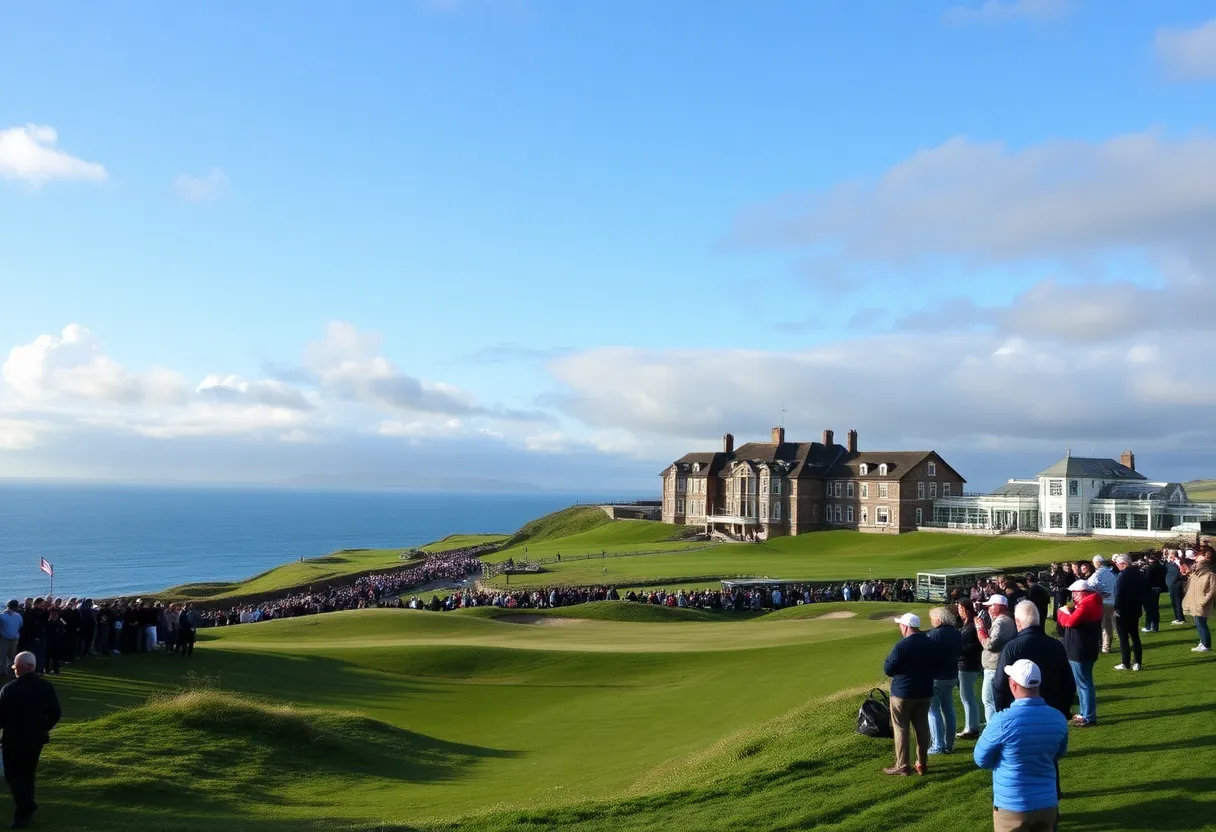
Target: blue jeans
point(1083, 673)
point(971, 700)
point(941, 716)
point(988, 694)
point(1205, 635)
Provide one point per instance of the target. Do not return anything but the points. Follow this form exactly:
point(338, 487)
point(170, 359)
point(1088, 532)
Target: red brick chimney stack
point(828, 436)
point(778, 435)
point(852, 441)
point(728, 443)
point(1128, 459)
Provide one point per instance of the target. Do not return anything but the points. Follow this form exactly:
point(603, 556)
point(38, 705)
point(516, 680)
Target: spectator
point(949, 643)
point(911, 666)
point(1154, 579)
point(1082, 623)
point(1175, 584)
point(1200, 592)
point(969, 670)
point(10, 634)
point(1037, 593)
point(29, 709)
point(993, 639)
point(1103, 582)
point(1130, 589)
point(1022, 745)
point(1058, 687)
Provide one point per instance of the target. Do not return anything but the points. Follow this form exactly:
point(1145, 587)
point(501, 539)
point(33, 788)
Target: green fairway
point(1201, 490)
point(597, 717)
point(612, 536)
point(835, 555)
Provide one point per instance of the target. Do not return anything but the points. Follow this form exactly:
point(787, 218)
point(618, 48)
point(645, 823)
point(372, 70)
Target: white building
point(1078, 496)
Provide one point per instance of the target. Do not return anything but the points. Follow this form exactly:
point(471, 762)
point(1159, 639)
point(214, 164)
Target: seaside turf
point(604, 716)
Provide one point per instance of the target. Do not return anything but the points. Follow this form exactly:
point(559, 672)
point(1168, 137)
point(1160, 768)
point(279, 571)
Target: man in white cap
point(1103, 582)
point(1022, 746)
point(911, 666)
point(993, 639)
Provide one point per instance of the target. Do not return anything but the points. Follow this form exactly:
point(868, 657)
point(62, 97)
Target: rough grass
point(1201, 490)
point(462, 541)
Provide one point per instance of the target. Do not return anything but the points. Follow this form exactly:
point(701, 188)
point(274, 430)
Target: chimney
point(1129, 459)
point(728, 443)
point(778, 435)
point(852, 441)
point(827, 437)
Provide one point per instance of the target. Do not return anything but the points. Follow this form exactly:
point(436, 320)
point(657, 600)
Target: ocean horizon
point(114, 539)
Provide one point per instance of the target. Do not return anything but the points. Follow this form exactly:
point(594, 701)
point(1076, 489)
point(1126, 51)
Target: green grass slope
point(612, 536)
point(1201, 490)
point(834, 555)
point(463, 541)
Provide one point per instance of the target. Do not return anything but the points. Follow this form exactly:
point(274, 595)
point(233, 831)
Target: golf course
point(604, 716)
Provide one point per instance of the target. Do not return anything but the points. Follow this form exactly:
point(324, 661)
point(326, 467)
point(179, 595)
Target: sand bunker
point(837, 614)
point(543, 620)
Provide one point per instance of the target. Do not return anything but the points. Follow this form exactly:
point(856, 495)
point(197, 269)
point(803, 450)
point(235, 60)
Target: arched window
point(882, 470)
point(865, 469)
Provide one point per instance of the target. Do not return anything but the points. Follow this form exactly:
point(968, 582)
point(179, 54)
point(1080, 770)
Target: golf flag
point(46, 567)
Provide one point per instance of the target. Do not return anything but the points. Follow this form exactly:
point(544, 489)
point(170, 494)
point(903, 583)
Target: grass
point(1201, 490)
point(463, 541)
point(603, 716)
point(827, 556)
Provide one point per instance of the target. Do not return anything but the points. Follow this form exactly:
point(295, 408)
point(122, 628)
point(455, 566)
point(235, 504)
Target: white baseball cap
point(997, 599)
point(1080, 586)
point(908, 619)
point(1025, 673)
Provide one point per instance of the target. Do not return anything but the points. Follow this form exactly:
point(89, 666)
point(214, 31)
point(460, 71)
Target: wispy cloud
point(996, 10)
point(1188, 54)
point(210, 188)
point(29, 154)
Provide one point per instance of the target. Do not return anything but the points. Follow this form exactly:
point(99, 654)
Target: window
point(865, 515)
point(1120, 521)
point(933, 491)
point(777, 511)
point(837, 490)
point(838, 513)
point(1074, 488)
point(920, 491)
point(883, 490)
point(777, 486)
point(945, 489)
point(1057, 520)
point(882, 470)
point(865, 490)
point(848, 514)
point(1074, 519)
point(679, 506)
point(682, 484)
point(881, 516)
point(920, 514)
point(1100, 520)
point(848, 490)
point(1055, 488)
point(932, 469)
point(764, 486)
point(696, 466)
point(863, 469)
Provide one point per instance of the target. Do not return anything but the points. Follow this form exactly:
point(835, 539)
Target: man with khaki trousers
point(911, 667)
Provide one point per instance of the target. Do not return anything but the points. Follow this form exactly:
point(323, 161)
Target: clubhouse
point(771, 489)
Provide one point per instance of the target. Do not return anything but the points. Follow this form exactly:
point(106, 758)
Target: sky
point(561, 244)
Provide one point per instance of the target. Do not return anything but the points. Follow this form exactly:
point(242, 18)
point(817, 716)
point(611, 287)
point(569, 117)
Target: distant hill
point(1201, 490)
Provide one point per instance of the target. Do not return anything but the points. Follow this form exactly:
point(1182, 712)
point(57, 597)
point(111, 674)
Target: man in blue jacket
point(911, 666)
point(949, 643)
point(1022, 746)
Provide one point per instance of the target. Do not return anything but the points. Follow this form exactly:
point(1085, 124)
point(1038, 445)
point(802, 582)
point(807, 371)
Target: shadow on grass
point(1176, 812)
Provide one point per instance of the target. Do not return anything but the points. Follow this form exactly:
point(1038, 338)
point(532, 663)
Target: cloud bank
point(29, 154)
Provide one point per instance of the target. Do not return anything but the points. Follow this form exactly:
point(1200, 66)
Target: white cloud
point(269, 392)
point(553, 442)
point(997, 10)
point(210, 188)
point(29, 154)
point(420, 428)
point(984, 201)
point(1187, 53)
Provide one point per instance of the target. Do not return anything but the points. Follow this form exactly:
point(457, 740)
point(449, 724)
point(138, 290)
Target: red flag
point(46, 567)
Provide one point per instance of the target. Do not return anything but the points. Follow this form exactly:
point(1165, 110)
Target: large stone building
point(1078, 496)
point(769, 489)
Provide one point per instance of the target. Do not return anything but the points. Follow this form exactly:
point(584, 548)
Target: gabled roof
point(710, 464)
point(899, 464)
point(805, 459)
point(1091, 468)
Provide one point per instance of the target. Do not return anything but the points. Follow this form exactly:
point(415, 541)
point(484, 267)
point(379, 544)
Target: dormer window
point(882, 470)
point(864, 469)
point(696, 466)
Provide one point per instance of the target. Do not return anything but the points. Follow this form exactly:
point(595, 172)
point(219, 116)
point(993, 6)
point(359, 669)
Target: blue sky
point(578, 239)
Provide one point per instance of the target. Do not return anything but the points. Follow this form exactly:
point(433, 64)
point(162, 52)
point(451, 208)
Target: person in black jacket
point(949, 641)
point(970, 669)
point(1130, 589)
point(1154, 579)
point(1175, 585)
point(1059, 687)
point(29, 709)
point(911, 665)
point(56, 641)
point(1037, 593)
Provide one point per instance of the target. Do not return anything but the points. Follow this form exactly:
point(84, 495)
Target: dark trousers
point(1128, 630)
point(20, 763)
point(1176, 592)
point(187, 641)
point(1152, 610)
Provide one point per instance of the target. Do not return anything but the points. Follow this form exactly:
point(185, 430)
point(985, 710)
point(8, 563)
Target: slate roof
point(1142, 491)
point(898, 463)
point(811, 460)
point(1017, 489)
point(1091, 468)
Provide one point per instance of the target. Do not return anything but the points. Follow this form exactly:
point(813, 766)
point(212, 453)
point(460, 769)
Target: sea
point(106, 540)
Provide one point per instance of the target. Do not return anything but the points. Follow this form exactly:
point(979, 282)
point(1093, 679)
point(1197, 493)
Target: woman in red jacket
point(1082, 623)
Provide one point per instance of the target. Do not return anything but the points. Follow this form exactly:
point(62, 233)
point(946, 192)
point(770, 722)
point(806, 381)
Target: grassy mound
point(568, 521)
point(462, 541)
point(1201, 490)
